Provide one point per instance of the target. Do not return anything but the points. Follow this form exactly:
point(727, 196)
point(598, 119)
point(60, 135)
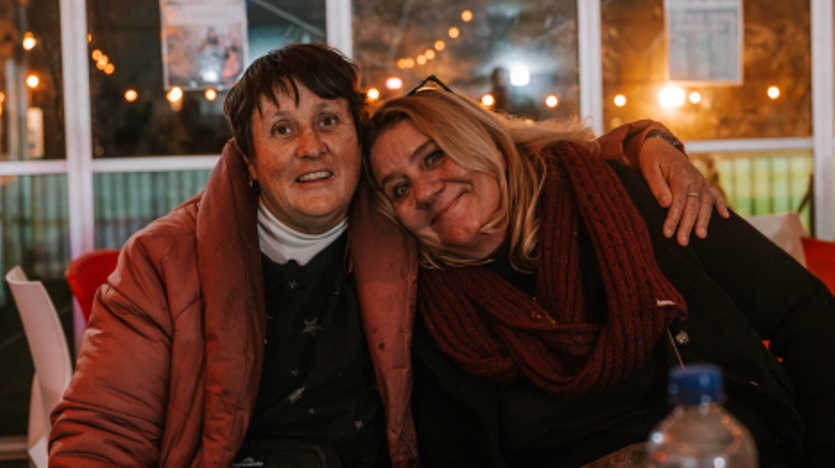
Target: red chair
point(820, 260)
point(87, 272)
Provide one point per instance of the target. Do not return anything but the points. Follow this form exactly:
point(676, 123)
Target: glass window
point(774, 99)
point(127, 202)
point(758, 183)
point(132, 115)
point(33, 234)
point(31, 85)
point(519, 52)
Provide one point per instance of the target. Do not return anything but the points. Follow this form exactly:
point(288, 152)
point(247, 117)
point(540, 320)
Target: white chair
point(50, 354)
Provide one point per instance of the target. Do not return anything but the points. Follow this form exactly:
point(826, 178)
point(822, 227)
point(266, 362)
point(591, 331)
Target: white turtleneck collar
point(282, 244)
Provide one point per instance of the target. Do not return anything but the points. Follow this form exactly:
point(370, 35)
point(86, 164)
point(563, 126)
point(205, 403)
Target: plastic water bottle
point(700, 432)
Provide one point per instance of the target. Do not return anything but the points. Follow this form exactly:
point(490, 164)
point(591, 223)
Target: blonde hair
point(500, 145)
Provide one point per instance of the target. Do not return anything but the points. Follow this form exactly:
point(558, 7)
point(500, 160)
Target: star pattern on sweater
point(359, 424)
point(295, 395)
point(295, 372)
point(292, 284)
point(312, 327)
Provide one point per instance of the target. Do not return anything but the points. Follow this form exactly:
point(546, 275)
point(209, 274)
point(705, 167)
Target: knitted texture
point(493, 330)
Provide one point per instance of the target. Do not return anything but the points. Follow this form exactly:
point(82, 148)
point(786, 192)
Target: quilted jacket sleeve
point(114, 410)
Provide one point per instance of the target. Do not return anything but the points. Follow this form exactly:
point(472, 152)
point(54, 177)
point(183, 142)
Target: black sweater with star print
point(317, 382)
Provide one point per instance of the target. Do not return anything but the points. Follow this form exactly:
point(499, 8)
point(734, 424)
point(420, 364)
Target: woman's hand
point(678, 185)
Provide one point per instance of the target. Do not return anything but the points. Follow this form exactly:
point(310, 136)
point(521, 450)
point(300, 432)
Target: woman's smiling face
point(443, 204)
point(307, 159)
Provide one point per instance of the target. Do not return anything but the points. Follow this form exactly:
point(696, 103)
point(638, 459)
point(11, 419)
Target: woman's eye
point(433, 158)
point(281, 129)
point(398, 191)
point(329, 120)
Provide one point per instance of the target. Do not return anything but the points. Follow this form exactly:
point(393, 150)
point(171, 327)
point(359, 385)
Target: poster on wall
point(704, 41)
point(204, 43)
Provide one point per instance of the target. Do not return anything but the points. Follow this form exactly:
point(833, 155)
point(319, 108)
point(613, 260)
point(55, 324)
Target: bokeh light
point(33, 81)
point(29, 41)
point(552, 101)
point(671, 96)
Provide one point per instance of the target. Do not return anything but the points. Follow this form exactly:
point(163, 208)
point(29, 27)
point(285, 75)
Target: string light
point(552, 101)
point(670, 97)
point(773, 92)
point(29, 41)
point(175, 94)
point(453, 32)
point(466, 15)
point(695, 97)
point(210, 94)
point(620, 100)
point(429, 54)
point(488, 100)
point(373, 94)
point(394, 83)
point(440, 45)
point(131, 95)
point(33, 81)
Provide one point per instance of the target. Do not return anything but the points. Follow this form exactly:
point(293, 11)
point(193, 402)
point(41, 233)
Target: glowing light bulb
point(33, 81)
point(429, 54)
point(29, 41)
point(466, 15)
point(552, 101)
point(440, 45)
point(620, 100)
point(695, 97)
point(373, 94)
point(670, 97)
point(519, 75)
point(453, 32)
point(210, 94)
point(488, 100)
point(394, 83)
point(131, 95)
point(175, 94)
point(421, 60)
point(773, 92)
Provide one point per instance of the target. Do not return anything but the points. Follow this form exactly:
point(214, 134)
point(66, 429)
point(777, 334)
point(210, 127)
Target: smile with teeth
point(314, 176)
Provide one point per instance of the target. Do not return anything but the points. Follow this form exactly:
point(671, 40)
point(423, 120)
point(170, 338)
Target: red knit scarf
point(493, 330)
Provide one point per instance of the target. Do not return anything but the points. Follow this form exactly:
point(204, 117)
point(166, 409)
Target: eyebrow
point(412, 157)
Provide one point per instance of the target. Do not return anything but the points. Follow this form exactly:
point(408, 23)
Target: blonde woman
point(549, 303)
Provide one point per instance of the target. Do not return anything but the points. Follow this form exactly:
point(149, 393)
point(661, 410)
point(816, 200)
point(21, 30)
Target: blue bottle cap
point(696, 384)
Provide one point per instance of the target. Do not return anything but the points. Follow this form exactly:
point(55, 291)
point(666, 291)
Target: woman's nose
point(310, 144)
point(427, 190)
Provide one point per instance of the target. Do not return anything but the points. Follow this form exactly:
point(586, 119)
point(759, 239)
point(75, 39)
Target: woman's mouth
point(314, 176)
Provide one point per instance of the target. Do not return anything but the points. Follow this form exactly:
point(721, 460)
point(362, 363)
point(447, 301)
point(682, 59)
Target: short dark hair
point(322, 69)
